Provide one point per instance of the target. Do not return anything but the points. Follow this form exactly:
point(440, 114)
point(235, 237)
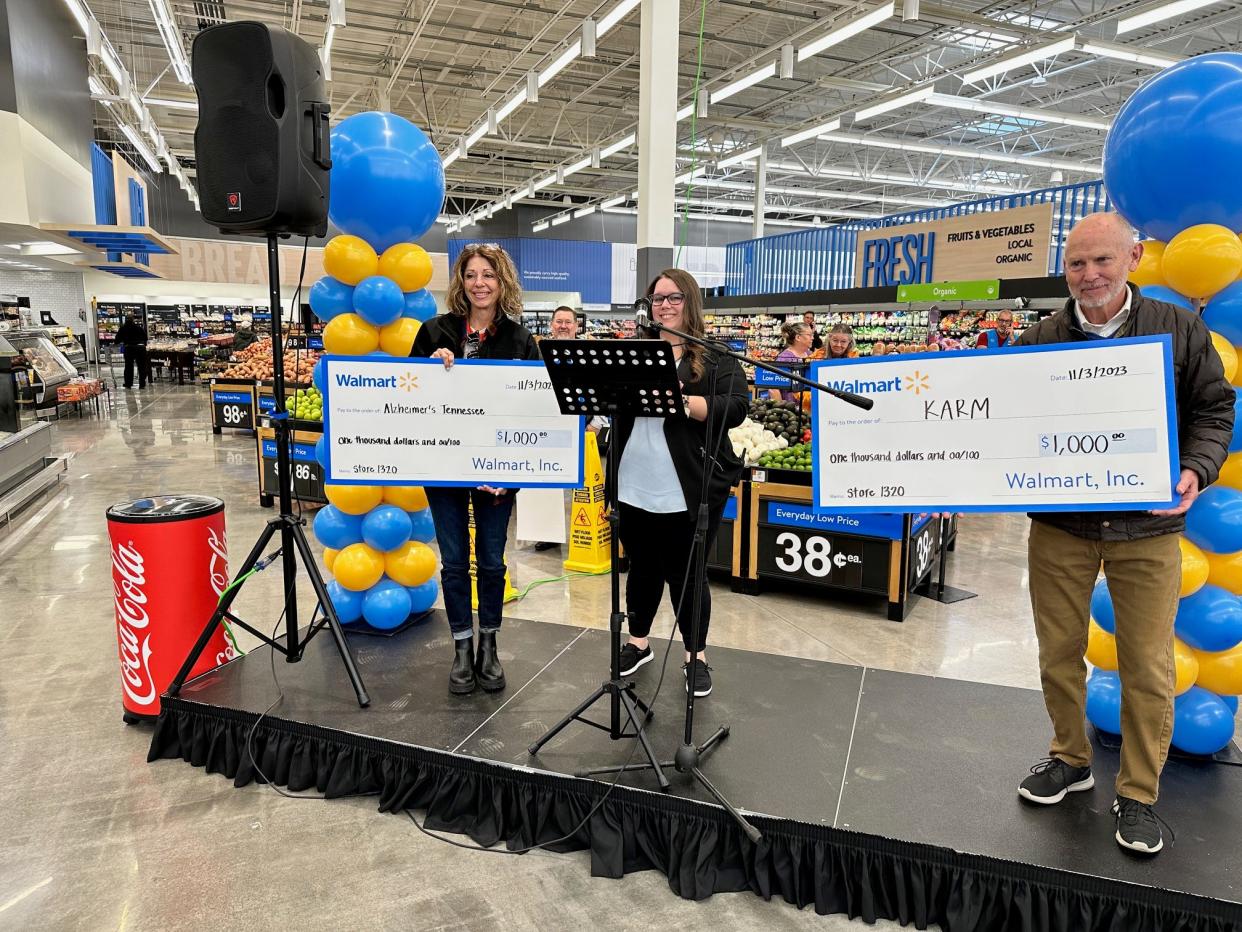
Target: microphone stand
point(689, 756)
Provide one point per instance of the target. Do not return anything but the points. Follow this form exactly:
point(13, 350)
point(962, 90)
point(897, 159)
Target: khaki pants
point(1144, 579)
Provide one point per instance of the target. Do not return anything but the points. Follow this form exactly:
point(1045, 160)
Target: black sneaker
point(1052, 778)
point(632, 658)
point(701, 677)
point(1137, 828)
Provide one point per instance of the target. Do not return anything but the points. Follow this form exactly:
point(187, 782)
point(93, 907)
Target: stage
point(880, 794)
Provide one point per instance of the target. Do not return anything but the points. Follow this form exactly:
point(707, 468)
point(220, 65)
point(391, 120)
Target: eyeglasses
point(676, 299)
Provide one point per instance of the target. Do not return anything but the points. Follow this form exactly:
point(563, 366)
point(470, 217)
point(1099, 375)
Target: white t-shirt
point(648, 479)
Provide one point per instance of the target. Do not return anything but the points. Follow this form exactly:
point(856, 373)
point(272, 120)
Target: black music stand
point(609, 378)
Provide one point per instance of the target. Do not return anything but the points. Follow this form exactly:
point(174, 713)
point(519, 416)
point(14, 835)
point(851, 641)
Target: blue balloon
point(1102, 607)
point(1104, 701)
point(422, 527)
point(1235, 441)
point(1214, 521)
point(1161, 293)
point(423, 597)
point(319, 375)
point(1202, 723)
point(321, 453)
point(1172, 154)
point(386, 604)
point(348, 604)
point(335, 529)
point(1231, 702)
point(378, 300)
point(328, 297)
point(386, 527)
point(1224, 313)
point(420, 305)
point(1210, 619)
point(387, 179)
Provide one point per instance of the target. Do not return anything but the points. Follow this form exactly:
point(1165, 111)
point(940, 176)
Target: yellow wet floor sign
point(589, 533)
point(510, 592)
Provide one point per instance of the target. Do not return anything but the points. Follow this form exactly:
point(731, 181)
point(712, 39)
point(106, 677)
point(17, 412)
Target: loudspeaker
point(262, 142)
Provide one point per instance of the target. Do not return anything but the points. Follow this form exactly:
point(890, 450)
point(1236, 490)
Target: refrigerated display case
point(48, 367)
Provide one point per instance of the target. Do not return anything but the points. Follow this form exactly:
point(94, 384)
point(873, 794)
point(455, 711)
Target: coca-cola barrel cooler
point(169, 568)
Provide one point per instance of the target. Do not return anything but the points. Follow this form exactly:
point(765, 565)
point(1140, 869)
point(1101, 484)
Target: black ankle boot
point(487, 668)
point(461, 677)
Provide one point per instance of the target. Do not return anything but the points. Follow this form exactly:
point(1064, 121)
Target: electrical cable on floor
point(540, 582)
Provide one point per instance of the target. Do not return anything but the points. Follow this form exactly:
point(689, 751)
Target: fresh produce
point(255, 362)
point(751, 441)
point(782, 418)
point(305, 404)
point(796, 458)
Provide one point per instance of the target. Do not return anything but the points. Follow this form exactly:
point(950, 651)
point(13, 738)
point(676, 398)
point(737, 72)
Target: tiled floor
point(97, 838)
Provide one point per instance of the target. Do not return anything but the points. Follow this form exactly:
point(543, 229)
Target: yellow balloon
point(1225, 570)
point(1231, 472)
point(349, 259)
point(1201, 260)
point(350, 335)
point(398, 337)
point(329, 557)
point(358, 567)
point(353, 499)
point(1228, 355)
point(411, 564)
point(408, 497)
point(1194, 568)
point(1148, 271)
point(1101, 648)
point(408, 265)
point(1187, 664)
point(1221, 672)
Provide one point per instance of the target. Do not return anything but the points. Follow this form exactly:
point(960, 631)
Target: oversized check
point(1067, 427)
point(393, 421)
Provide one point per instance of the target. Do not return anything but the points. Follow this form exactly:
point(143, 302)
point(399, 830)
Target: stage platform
point(880, 794)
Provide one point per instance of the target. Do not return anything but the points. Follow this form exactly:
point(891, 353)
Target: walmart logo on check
point(406, 381)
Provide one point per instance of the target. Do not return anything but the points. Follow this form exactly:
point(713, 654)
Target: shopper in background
point(244, 338)
point(660, 481)
point(133, 336)
point(1138, 550)
point(840, 343)
point(484, 306)
point(564, 324)
point(797, 349)
point(809, 319)
point(1000, 336)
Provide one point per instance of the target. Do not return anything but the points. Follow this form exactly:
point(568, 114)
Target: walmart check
point(392, 421)
point(1068, 427)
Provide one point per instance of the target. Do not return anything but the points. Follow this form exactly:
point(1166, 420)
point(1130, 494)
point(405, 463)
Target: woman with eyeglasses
point(660, 479)
point(799, 341)
point(484, 307)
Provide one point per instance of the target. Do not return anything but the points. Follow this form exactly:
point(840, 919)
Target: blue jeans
point(491, 527)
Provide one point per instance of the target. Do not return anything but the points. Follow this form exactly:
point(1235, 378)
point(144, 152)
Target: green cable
point(228, 629)
point(694, 139)
point(539, 582)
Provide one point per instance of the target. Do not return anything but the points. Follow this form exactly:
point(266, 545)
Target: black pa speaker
point(262, 138)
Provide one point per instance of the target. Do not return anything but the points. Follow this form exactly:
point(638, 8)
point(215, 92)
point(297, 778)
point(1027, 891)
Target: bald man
point(1138, 550)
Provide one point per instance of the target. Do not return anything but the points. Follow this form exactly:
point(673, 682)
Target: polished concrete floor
point(96, 838)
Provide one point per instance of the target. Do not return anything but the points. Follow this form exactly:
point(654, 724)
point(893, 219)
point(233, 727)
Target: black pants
point(136, 355)
point(658, 548)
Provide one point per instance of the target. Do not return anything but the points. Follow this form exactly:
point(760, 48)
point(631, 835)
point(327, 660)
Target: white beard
point(1108, 296)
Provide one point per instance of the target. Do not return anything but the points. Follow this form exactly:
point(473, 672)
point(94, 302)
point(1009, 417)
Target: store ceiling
point(444, 63)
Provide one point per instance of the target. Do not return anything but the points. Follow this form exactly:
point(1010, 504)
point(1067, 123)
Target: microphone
point(642, 318)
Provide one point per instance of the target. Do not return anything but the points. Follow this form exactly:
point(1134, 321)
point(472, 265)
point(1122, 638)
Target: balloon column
point(1170, 168)
point(387, 188)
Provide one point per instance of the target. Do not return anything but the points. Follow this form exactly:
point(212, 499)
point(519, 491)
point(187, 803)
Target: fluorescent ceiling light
point(137, 142)
point(632, 211)
point(113, 64)
point(544, 182)
point(166, 23)
point(171, 104)
point(618, 146)
point(475, 136)
point(585, 211)
point(563, 218)
point(540, 227)
point(80, 14)
point(686, 176)
point(1012, 158)
point(1022, 113)
point(803, 135)
point(577, 166)
point(685, 112)
point(820, 194)
point(511, 104)
point(560, 64)
point(453, 155)
point(613, 202)
point(614, 16)
point(773, 209)
point(1021, 59)
point(1127, 53)
point(748, 156)
point(846, 31)
point(894, 103)
point(1159, 13)
point(724, 93)
point(796, 168)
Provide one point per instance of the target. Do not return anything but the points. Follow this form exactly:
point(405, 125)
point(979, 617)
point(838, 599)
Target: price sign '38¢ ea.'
point(1066, 427)
point(413, 422)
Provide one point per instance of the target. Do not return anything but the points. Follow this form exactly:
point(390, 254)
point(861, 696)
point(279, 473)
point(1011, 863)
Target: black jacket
point(132, 334)
point(1204, 409)
point(686, 436)
point(448, 331)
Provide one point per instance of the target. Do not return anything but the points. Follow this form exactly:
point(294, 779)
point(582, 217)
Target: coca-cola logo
point(218, 569)
point(128, 579)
